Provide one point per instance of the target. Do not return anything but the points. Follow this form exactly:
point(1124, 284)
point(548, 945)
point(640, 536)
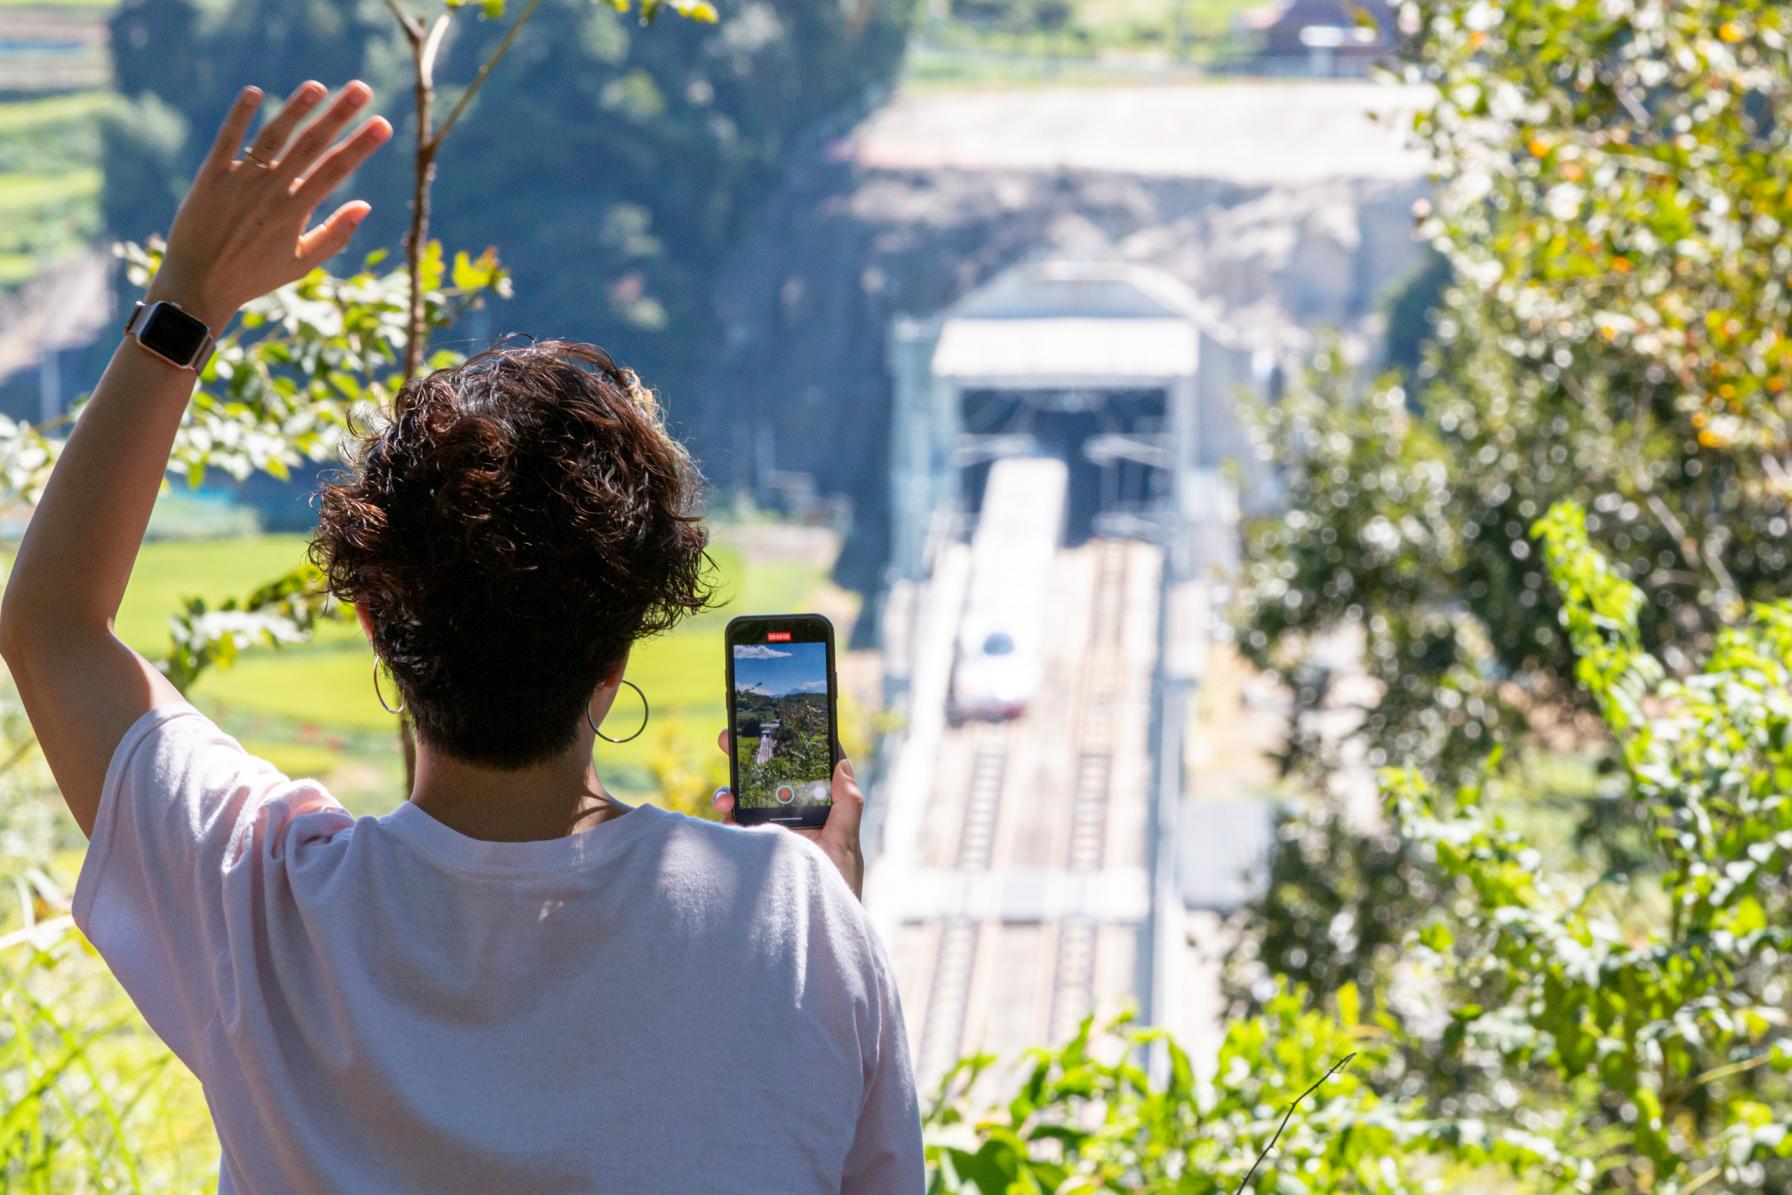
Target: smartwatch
point(172, 334)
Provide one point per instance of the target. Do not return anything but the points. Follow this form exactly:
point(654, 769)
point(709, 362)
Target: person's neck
point(551, 799)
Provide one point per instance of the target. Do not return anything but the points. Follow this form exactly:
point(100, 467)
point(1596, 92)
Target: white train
point(1001, 637)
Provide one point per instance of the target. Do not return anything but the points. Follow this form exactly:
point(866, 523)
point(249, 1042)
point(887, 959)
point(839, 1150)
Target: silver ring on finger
point(256, 160)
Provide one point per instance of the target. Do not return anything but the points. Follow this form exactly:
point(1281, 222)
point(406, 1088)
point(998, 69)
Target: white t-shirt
point(656, 1004)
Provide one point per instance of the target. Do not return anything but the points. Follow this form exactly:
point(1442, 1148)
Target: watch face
point(173, 333)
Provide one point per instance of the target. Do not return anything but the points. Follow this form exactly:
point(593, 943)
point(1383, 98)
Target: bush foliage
point(1611, 201)
point(1612, 206)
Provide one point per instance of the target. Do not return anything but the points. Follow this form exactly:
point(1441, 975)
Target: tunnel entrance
point(1104, 365)
point(1066, 424)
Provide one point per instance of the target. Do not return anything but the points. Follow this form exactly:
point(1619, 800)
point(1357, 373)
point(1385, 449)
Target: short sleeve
point(887, 1156)
point(187, 822)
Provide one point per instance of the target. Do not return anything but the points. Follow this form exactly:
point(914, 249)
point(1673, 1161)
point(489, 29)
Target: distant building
point(1321, 38)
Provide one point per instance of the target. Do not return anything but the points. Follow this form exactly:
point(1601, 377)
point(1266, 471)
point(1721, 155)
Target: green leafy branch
point(1087, 1117)
point(1660, 1021)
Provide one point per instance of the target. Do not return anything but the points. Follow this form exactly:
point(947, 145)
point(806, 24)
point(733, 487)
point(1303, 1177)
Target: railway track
point(948, 1001)
point(1073, 976)
point(1022, 915)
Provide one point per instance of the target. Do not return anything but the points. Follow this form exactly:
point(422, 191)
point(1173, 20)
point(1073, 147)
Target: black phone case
point(814, 815)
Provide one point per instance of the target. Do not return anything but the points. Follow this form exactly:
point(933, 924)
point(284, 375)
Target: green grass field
point(311, 708)
point(43, 216)
point(49, 174)
point(29, 116)
point(24, 193)
point(1090, 43)
point(16, 268)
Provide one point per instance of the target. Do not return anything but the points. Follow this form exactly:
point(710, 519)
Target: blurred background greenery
point(1545, 517)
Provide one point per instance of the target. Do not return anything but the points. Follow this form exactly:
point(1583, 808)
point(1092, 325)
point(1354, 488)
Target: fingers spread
point(342, 161)
point(317, 138)
point(331, 237)
point(230, 133)
point(272, 139)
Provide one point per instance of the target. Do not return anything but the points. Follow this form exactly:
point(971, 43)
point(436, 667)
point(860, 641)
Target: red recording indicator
point(777, 636)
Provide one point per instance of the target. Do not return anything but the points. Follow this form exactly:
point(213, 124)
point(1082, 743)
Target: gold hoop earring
point(644, 715)
point(381, 696)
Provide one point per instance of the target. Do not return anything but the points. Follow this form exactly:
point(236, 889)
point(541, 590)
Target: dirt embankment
point(1285, 207)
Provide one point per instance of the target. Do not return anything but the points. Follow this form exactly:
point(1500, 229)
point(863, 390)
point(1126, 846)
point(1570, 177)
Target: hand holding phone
point(838, 838)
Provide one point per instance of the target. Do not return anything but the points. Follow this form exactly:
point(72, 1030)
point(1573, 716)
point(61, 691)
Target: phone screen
point(781, 690)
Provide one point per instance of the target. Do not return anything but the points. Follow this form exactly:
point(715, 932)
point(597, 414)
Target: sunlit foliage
point(1612, 201)
point(1649, 1030)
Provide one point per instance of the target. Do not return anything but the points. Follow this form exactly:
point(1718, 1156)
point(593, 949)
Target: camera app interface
point(781, 724)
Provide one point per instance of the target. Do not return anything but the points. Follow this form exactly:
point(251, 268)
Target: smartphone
point(782, 718)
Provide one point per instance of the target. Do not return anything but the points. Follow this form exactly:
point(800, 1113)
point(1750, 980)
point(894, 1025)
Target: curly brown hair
point(518, 524)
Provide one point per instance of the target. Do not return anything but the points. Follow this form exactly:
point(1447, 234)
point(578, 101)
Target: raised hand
point(242, 230)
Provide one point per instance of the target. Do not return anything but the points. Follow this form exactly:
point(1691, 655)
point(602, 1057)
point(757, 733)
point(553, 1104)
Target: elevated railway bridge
point(1029, 871)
